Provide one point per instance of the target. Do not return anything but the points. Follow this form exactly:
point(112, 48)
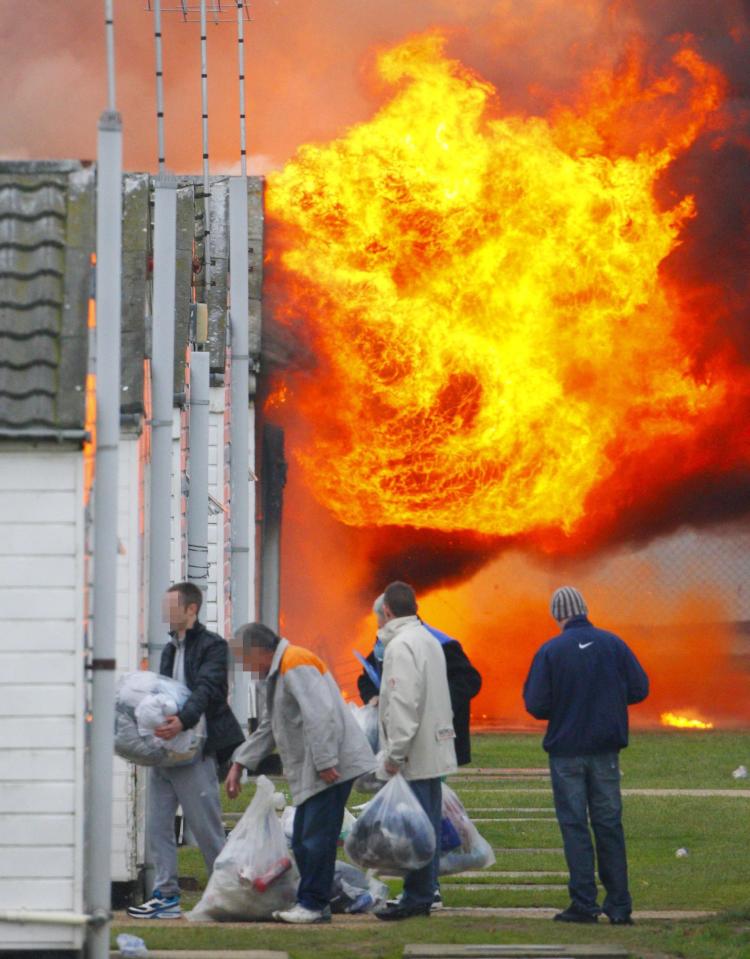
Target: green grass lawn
point(715, 875)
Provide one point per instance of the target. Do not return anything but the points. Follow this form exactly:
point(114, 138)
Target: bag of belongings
point(368, 722)
point(372, 782)
point(143, 701)
point(461, 847)
point(393, 833)
point(254, 873)
point(287, 824)
point(354, 891)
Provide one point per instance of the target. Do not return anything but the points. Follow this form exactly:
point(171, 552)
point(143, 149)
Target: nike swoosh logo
point(584, 645)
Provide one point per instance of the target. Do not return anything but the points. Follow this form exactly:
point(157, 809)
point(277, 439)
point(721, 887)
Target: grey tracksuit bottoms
point(196, 789)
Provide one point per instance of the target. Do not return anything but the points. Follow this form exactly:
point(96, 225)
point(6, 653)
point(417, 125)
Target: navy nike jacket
point(582, 682)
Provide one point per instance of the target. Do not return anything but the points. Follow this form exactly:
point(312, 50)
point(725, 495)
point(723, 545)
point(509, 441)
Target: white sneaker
point(437, 902)
point(299, 914)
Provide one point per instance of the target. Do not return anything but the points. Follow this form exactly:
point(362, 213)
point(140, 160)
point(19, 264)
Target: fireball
point(483, 292)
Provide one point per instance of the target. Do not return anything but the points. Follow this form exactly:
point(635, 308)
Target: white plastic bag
point(131, 947)
point(368, 722)
point(393, 834)
point(373, 781)
point(143, 700)
point(287, 824)
point(474, 852)
point(354, 891)
point(254, 874)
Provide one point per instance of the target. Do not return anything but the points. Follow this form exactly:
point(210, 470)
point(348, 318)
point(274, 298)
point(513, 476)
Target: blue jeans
point(420, 885)
point(589, 787)
point(317, 826)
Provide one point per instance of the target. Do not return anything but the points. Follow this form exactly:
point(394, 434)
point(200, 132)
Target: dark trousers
point(588, 787)
point(317, 826)
point(420, 885)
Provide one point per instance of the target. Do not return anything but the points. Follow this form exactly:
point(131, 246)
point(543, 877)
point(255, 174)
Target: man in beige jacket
point(416, 729)
point(322, 749)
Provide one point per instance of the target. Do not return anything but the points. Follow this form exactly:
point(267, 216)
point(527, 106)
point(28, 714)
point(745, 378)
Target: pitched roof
point(47, 231)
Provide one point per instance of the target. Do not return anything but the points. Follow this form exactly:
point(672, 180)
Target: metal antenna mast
point(159, 86)
point(241, 64)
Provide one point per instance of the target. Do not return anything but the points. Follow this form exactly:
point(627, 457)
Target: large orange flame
point(485, 299)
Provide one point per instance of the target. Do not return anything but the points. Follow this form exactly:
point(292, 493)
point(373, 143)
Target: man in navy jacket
point(582, 683)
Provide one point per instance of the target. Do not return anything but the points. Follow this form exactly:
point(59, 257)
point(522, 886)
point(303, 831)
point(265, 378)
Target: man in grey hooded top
point(322, 749)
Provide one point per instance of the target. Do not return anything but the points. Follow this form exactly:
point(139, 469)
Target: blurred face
point(175, 615)
point(257, 661)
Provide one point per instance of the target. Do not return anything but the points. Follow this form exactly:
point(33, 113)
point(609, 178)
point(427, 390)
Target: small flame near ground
point(684, 722)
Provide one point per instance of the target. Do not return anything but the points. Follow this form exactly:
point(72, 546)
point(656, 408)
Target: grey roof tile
point(40, 388)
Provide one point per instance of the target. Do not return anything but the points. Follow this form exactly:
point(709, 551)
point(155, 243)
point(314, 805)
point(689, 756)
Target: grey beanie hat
point(566, 603)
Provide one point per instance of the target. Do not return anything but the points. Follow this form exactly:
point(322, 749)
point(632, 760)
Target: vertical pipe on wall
point(198, 469)
point(162, 390)
point(273, 482)
point(240, 465)
point(98, 828)
point(242, 577)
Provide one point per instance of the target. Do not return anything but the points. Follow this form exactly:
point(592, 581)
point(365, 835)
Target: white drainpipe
point(198, 469)
point(242, 584)
point(98, 826)
point(162, 392)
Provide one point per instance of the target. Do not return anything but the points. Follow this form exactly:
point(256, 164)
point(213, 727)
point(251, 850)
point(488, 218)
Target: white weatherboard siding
point(213, 615)
point(42, 699)
point(127, 797)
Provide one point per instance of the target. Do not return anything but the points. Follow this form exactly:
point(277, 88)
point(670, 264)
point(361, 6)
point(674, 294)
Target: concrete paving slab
point(209, 954)
point(519, 874)
point(692, 793)
point(508, 951)
point(505, 771)
point(505, 886)
point(544, 912)
point(515, 819)
point(528, 850)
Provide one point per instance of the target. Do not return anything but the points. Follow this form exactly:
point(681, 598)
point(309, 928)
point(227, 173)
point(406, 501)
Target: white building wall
point(42, 696)
point(127, 836)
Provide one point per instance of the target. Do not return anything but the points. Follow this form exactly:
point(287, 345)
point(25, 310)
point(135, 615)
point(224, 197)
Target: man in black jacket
point(200, 660)
point(464, 682)
point(582, 683)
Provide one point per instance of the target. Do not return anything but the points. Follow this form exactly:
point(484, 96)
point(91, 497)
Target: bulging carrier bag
point(463, 848)
point(143, 701)
point(393, 833)
point(368, 722)
point(254, 874)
